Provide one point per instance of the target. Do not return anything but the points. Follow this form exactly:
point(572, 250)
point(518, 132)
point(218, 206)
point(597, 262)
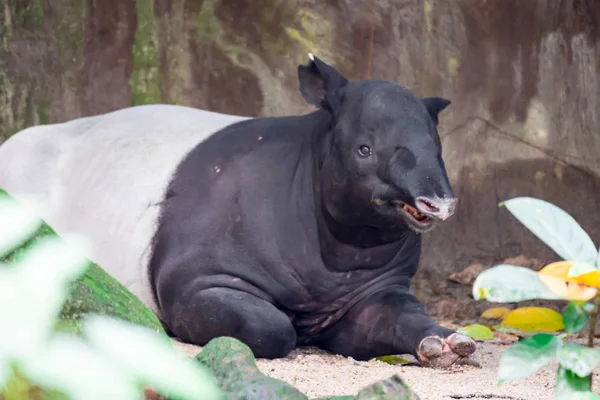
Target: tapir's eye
point(364, 150)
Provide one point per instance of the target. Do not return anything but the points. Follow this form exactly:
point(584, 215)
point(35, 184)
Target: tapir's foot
point(456, 349)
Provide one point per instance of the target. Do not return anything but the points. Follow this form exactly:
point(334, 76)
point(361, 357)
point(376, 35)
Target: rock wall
point(523, 77)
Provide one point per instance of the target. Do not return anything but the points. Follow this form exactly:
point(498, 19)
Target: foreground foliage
point(111, 359)
point(576, 279)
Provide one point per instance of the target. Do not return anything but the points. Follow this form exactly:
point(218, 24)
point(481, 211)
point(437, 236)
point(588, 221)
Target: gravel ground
point(318, 373)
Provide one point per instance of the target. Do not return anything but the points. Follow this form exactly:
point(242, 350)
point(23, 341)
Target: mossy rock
point(234, 366)
point(393, 387)
point(94, 292)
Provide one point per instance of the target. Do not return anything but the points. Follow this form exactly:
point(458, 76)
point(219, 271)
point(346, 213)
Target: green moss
point(95, 292)
point(6, 25)
point(428, 10)
point(453, 67)
point(207, 23)
point(42, 112)
point(392, 388)
point(145, 87)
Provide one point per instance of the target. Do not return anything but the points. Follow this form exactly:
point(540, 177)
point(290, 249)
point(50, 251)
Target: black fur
point(279, 232)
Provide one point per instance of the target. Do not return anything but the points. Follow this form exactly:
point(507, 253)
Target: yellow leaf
point(531, 319)
point(495, 313)
point(556, 278)
point(591, 278)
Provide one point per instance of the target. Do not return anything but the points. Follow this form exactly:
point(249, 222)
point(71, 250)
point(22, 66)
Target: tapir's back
point(105, 176)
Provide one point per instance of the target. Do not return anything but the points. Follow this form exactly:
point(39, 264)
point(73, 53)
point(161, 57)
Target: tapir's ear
point(320, 84)
point(435, 105)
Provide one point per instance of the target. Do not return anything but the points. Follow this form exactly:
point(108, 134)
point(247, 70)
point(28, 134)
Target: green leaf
point(5, 372)
point(569, 384)
point(477, 332)
point(144, 354)
point(598, 259)
point(555, 227)
point(527, 356)
point(37, 286)
point(507, 283)
point(69, 365)
point(578, 358)
point(394, 360)
point(575, 317)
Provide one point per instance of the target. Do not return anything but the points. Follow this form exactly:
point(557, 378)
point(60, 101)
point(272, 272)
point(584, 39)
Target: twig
point(593, 318)
point(548, 152)
point(484, 396)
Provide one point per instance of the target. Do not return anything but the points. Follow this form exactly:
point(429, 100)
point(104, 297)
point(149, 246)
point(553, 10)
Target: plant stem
point(593, 317)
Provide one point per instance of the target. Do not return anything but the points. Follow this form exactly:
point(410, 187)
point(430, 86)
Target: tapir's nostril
point(440, 208)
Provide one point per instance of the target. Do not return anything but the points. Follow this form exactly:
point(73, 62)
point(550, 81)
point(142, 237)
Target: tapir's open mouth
point(411, 212)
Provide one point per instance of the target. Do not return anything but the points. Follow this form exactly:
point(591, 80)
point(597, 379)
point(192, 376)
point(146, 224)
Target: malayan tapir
point(279, 231)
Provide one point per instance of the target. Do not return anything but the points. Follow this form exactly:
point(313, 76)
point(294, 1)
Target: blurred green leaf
point(527, 356)
point(575, 317)
point(477, 331)
point(38, 286)
point(569, 384)
point(507, 283)
point(69, 365)
point(151, 358)
point(584, 396)
point(555, 227)
point(5, 371)
point(578, 358)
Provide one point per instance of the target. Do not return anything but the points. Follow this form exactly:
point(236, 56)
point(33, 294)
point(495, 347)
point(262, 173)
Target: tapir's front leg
point(393, 322)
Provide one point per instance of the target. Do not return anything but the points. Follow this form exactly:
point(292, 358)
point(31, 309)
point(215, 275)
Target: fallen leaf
point(505, 338)
point(495, 313)
point(524, 261)
point(468, 275)
point(394, 360)
point(534, 319)
point(477, 332)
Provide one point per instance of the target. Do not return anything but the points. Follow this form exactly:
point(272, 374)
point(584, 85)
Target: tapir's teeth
point(412, 211)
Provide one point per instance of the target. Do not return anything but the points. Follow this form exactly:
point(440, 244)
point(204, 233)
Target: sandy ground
point(317, 374)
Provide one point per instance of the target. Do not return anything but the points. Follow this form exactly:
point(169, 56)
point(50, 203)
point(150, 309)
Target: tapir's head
point(382, 162)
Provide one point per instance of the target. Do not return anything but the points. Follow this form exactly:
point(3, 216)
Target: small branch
point(593, 318)
point(484, 396)
point(548, 152)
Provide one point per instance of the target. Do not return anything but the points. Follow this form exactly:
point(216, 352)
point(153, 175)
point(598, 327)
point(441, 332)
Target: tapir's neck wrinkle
point(343, 247)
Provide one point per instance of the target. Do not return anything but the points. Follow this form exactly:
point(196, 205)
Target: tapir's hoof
point(456, 349)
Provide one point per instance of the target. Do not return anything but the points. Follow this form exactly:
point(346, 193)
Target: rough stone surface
point(523, 77)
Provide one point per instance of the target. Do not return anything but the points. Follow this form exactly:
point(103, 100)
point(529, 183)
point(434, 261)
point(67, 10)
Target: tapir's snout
point(436, 207)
